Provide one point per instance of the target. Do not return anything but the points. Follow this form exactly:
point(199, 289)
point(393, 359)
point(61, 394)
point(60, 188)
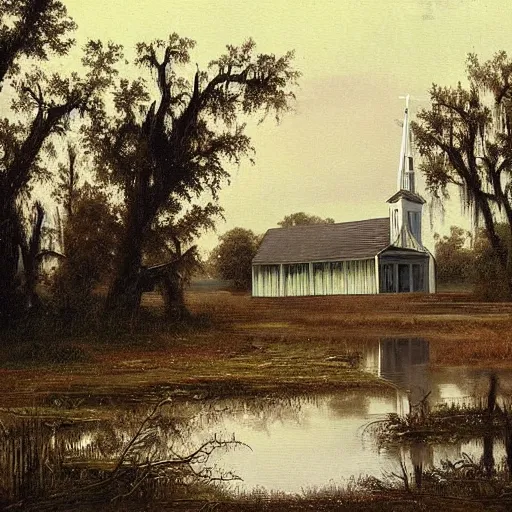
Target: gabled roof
point(324, 242)
point(406, 194)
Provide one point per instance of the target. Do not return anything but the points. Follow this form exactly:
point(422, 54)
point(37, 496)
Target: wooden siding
point(297, 280)
point(319, 278)
point(431, 274)
point(266, 280)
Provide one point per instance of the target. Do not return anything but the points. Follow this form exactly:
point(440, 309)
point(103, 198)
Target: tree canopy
point(454, 256)
point(465, 140)
point(464, 258)
point(301, 218)
point(232, 258)
point(33, 29)
point(156, 144)
point(164, 150)
point(42, 104)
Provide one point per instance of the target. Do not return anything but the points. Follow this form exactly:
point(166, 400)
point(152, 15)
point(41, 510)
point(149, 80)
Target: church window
point(387, 278)
point(395, 223)
point(418, 278)
point(415, 224)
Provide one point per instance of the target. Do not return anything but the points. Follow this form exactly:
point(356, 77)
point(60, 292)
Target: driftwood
point(125, 475)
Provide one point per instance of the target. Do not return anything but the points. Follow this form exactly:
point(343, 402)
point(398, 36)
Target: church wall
point(319, 278)
point(297, 280)
point(266, 280)
point(432, 285)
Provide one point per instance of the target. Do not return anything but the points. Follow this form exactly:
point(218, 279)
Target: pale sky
point(337, 154)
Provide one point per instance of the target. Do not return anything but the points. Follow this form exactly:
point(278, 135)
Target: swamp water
point(290, 444)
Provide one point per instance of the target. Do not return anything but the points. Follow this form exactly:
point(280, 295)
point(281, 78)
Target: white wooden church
point(384, 255)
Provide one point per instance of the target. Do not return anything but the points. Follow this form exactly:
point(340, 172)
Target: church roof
point(411, 196)
point(324, 242)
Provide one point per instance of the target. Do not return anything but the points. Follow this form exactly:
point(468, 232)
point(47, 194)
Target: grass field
point(247, 345)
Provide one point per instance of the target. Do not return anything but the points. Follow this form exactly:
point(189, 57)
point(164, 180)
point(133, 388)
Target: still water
point(327, 440)
point(291, 444)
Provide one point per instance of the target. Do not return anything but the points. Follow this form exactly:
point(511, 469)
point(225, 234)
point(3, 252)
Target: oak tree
point(465, 139)
point(166, 148)
point(171, 257)
point(454, 257)
point(232, 258)
point(35, 29)
point(301, 219)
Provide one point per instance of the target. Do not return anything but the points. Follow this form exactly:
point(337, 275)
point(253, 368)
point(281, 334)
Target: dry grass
point(460, 330)
point(255, 345)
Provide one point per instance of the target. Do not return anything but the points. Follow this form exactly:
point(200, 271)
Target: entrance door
point(404, 278)
point(418, 278)
point(387, 278)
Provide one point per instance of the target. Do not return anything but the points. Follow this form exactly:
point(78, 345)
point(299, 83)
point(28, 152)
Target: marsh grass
point(443, 424)
point(234, 344)
point(483, 417)
point(352, 496)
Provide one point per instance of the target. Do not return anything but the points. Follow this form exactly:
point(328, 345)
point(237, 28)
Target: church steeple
point(405, 206)
point(405, 180)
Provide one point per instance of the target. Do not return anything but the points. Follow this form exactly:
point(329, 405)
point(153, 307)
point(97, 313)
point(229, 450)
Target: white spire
point(405, 180)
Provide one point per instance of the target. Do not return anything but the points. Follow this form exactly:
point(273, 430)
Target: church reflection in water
point(403, 362)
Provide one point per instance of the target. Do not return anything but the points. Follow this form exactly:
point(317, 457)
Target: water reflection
point(326, 445)
point(296, 442)
point(405, 363)
point(402, 361)
point(479, 459)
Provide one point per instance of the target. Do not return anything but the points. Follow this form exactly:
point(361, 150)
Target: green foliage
point(164, 147)
point(66, 190)
point(490, 279)
point(44, 103)
point(179, 142)
point(32, 29)
point(232, 258)
point(301, 218)
point(466, 141)
point(159, 148)
point(40, 110)
point(90, 238)
point(460, 261)
point(174, 231)
point(169, 243)
point(454, 257)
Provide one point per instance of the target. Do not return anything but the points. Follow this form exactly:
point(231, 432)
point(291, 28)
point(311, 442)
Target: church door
point(404, 277)
point(387, 278)
point(418, 277)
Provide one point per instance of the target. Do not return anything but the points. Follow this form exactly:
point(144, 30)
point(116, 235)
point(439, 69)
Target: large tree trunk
point(30, 252)
point(508, 248)
point(174, 296)
point(126, 289)
point(500, 249)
